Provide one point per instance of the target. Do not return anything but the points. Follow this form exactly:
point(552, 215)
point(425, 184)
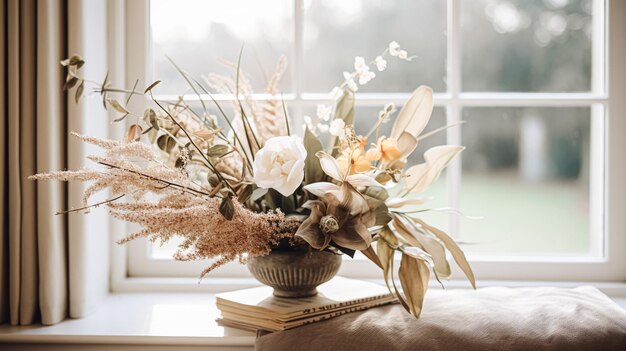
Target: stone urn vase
point(295, 273)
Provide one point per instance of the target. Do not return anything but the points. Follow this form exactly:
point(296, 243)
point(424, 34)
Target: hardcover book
point(258, 309)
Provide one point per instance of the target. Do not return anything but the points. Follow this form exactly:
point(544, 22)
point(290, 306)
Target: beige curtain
point(33, 245)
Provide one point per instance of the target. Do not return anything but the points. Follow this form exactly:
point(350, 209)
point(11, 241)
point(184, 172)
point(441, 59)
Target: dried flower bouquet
point(239, 185)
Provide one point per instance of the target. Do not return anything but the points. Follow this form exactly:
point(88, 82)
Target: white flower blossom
point(323, 112)
point(360, 66)
point(366, 77)
point(338, 128)
point(381, 63)
point(362, 70)
point(394, 50)
point(350, 81)
point(280, 164)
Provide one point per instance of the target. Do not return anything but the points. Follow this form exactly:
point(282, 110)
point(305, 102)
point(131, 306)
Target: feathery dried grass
point(183, 208)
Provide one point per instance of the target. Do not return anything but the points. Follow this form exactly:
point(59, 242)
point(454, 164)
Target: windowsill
point(139, 319)
point(179, 319)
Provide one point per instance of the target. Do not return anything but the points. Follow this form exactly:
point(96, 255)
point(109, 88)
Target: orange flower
point(385, 149)
point(355, 161)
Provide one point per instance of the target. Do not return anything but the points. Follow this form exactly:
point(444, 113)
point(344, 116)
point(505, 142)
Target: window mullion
point(453, 109)
point(298, 56)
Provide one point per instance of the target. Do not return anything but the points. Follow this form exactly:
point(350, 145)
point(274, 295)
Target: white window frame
point(133, 268)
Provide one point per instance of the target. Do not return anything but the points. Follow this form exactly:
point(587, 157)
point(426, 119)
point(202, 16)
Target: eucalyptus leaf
point(77, 61)
point(79, 91)
point(313, 172)
point(134, 133)
point(117, 106)
point(227, 208)
point(217, 150)
point(70, 82)
point(151, 118)
point(151, 86)
point(166, 143)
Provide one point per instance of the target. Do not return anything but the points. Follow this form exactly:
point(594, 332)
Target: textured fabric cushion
point(485, 319)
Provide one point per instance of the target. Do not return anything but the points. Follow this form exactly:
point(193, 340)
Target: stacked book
point(258, 309)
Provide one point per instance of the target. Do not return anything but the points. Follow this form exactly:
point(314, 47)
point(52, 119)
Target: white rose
point(280, 164)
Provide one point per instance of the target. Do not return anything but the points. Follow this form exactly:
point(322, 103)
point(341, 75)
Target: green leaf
point(376, 192)
point(258, 193)
point(414, 276)
point(217, 150)
point(70, 82)
point(381, 214)
point(117, 106)
point(166, 143)
point(245, 193)
point(79, 91)
point(312, 169)
point(227, 208)
point(151, 118)
point(151, 86)
point(77, 61)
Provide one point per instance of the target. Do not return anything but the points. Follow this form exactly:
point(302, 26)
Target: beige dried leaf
point(453, 247)
point(414, 276)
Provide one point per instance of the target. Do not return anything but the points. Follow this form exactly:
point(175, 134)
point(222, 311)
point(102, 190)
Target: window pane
point(526, 171)
point(526, 45)
point(196, 34)
point(337, 31)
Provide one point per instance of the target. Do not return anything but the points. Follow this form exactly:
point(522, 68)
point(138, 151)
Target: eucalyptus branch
point(248, 163)
point(211, 166)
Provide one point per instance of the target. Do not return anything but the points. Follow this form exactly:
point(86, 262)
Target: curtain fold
point(33, 245)
point(51, 267)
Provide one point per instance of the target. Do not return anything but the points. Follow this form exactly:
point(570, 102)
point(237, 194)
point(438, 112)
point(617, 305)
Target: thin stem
point(166, 182)
point(90, 206)
point(211, 166)
point(248, 163)
point(286, 115)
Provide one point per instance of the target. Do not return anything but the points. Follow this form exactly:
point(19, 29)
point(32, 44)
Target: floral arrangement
point(239, 185)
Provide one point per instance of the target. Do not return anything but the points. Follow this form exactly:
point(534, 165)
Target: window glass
point(337, 31)
point(199, 34)
point(526, 172)
point(526, 45)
